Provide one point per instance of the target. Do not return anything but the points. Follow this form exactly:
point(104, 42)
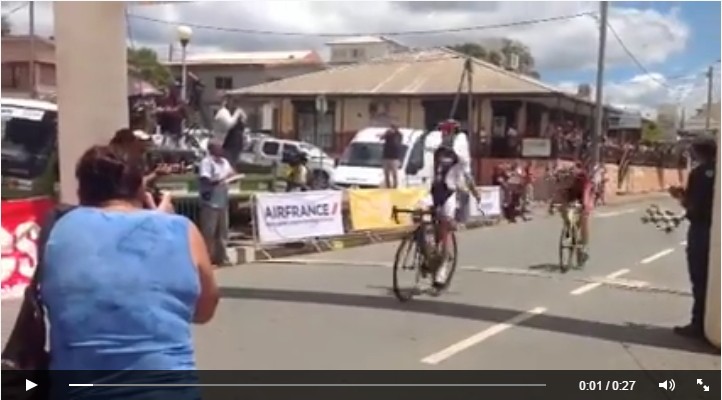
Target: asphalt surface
point(508, 306)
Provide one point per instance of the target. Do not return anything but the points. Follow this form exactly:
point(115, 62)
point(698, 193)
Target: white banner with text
point(490, 202)
point(288, 217)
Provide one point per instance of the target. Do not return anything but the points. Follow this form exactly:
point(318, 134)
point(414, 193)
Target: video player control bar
point(307, 385)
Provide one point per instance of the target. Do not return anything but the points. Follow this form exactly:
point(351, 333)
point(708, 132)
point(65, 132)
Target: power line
point(635, 59)
point(337, 34)
point(16, 9)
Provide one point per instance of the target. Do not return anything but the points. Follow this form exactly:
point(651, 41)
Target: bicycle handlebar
point(395, 211)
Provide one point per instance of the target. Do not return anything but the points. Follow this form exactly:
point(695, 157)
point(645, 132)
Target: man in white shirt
point(226, 118)
point(214, 173)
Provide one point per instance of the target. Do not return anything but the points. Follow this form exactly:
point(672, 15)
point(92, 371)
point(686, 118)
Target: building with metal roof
point(416, 89)
point(425, 72)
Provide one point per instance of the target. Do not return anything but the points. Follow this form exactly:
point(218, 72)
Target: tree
point(6, 26)
point(526, 60)
point(471, 49)
point(503, 53)
point(144, 62)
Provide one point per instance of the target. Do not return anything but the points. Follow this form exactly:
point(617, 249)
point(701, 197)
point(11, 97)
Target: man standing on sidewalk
point(698, 200)
point(214, 171)
point(391, 154)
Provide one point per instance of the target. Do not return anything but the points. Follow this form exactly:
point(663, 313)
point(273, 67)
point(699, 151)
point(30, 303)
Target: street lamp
point(184, 37)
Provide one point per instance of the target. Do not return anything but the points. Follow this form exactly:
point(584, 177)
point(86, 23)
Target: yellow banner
point(371, 208)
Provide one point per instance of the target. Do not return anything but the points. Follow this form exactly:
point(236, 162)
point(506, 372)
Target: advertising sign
point(287, 217)
point(371, 208)
point(20, 228)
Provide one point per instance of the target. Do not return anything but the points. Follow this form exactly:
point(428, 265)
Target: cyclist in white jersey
point(449, 174)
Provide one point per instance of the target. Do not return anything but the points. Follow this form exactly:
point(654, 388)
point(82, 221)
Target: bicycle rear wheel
point(451, 262)
point(566, 248)
point(578, 247)
point(408, 260)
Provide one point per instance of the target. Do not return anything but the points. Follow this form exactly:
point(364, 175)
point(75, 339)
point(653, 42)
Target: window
point(314, 128)
point(27, 144)
point(270, 148)
point(358, 53)
point(291, 148)
point(338, 53)
point(289, 152)
point(224, 82)
point(416, 157)
point(14, 76)
point(366, 154)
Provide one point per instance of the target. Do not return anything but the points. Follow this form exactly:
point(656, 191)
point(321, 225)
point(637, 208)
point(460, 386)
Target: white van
point(361, 163)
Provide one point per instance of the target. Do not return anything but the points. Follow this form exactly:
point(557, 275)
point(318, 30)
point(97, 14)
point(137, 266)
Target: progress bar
point(149, 385)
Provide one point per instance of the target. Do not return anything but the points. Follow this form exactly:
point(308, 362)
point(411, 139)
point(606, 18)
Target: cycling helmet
point(449, 126)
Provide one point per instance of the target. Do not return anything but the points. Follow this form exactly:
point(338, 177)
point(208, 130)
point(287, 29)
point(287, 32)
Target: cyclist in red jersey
point(580, 191)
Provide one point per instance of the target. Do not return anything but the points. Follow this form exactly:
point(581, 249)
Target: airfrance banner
point(286, 217)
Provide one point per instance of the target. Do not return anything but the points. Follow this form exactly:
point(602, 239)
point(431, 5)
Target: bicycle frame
point(572, 215)
point(419, 232)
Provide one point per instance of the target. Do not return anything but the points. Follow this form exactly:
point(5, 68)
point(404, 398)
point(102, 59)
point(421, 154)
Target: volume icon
point(667, 385)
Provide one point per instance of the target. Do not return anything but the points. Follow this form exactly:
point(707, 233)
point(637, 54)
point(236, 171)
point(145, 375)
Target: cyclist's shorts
point(572, 196)
point(444, 199)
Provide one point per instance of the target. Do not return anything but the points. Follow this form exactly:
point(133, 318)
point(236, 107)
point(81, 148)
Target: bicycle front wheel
point(408, 262)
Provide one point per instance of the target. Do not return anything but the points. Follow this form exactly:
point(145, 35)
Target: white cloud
point(646, 92)
point(653, 36)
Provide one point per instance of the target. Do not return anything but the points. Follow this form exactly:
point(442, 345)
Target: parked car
point(361, 163)
point(266, 151)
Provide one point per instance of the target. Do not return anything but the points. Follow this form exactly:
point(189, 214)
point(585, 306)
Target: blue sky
point(702, 46)
point(681, 71)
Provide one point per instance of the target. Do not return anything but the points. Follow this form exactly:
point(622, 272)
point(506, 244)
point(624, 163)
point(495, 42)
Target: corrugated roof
point(255, 58)
point(435, 71)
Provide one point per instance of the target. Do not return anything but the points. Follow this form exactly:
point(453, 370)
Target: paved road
point(507, 309)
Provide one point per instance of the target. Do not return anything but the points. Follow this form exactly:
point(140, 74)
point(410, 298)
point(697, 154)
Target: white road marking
point(596, 281)
point(609, 214)
point(591, 286)
point(657, 256)
point(683, 243)
point(481, 336)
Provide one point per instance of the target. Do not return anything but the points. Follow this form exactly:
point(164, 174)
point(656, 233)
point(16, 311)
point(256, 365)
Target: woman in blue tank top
point(122, 286)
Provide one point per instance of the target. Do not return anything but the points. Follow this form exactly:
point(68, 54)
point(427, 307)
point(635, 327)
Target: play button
point(29, 385)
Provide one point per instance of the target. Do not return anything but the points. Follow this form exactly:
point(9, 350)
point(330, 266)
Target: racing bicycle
point(571, 248)
point(421, 253)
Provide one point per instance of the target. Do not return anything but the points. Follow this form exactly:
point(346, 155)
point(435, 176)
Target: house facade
point(16, 82)
point(358, 49)
point(697, 124)
point(17, 58)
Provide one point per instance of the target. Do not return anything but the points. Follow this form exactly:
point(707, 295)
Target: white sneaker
point(442, 274)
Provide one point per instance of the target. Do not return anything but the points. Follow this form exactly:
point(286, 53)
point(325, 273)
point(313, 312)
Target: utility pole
point(471, 130)
point(32, 73)
point(710, 88)
point(599, 111)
